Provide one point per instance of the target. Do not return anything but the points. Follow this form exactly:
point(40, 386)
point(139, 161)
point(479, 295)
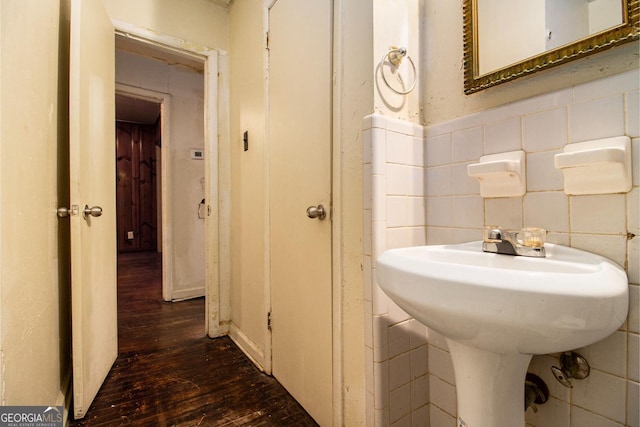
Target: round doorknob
point(93, 211)
point(316, 212)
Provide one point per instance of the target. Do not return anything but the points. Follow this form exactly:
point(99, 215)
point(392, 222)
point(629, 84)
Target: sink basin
point(496, 311)
point(505, 303)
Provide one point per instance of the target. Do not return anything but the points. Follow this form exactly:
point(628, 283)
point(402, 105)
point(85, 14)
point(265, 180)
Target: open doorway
point(138, 187)
point(151, 81)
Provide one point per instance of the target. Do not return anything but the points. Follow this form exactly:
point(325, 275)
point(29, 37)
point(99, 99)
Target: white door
point(93, 238)
point(300, 70)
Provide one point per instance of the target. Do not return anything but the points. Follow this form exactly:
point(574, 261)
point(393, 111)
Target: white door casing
point(93, 238)
point(300, 139)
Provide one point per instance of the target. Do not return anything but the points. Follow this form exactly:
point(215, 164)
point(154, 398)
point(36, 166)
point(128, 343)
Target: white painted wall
point(34, 243)
point(249, 296)
point(184, 188)
point(198, 21)
point(398, 23)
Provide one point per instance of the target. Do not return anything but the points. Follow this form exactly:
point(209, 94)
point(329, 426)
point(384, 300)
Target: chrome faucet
point(505, 242)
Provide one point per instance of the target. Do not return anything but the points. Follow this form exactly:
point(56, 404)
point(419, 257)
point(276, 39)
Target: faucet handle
point(492, 234)
point(533, 237)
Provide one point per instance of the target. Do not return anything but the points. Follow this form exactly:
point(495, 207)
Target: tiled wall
point(417, 192)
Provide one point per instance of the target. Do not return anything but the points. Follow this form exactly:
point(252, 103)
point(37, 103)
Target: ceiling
point(134, 110)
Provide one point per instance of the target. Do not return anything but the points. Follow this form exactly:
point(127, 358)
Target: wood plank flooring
point(169, 373)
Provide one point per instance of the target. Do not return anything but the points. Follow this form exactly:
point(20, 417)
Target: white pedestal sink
point(497, 311)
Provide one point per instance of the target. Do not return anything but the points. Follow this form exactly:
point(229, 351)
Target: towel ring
point(395, 56)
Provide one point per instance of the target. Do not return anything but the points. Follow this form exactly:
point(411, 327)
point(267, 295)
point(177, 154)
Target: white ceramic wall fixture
point(500, 175)
point(596, 167)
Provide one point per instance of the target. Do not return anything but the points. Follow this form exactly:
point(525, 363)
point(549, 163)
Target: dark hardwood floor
point(169, 373)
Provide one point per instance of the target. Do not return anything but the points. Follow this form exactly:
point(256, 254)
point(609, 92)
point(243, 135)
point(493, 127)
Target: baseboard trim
point(184, 294)
point(64, 398)
point(248, 347)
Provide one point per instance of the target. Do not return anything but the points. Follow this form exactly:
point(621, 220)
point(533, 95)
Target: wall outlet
point(130, 235)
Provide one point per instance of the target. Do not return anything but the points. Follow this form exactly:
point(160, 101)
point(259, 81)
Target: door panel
point(92, 183)
point(300, 176)
point(136, 187)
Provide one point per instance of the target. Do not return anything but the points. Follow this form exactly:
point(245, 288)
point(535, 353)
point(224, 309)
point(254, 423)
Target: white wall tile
point(438, 235)
point(399, 339)
point(417, 151)
point(442, 394)
point(440, 211)
point(587, 213)
point(399, 371)
point(397, 211)
point(468, 211)
point(419, 392)
point(549, 210)
point(419, 362)
point(419, 334)
point(366, 146)
point(633, 362)
point(378, 197)
point(463, 235)
point(420, 417)
point(541, 172)
point(633, 113)
point(399, 237)
point(582, 418)
point(635, 160)
point(398, 177)
point(438, 150)
point(397, 148)
point(380, 307)
point(381, 381)
point(503, 136)
point(600, 88)
point(609, 246)
point(552, 413)
point(545, 131)
point(600, 118)
point(466, 145)
point(378, 152)
point(439, 181)
point(463, 184)
point(634, 309)
point(440, 418)
point(603, 394)
point(504, 212)
point(608, 355)
point(417, 211)
point(400, 403)
point(440, 364)
point(417, 178)
point(633, 408)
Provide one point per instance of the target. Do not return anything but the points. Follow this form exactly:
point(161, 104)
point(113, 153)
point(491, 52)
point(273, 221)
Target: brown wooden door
point(136, 187)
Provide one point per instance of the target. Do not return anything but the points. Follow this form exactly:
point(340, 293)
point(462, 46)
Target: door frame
point(217, 170)
point(164, 99)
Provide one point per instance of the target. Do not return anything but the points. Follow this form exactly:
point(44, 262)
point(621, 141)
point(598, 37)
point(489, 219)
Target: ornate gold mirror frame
point(628, 31)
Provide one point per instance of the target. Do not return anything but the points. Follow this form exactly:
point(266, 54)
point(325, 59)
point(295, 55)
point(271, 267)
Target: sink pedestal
point(489, 386)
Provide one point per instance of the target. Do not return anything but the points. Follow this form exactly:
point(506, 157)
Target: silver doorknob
point(316, 212)
point(93, 211)
point(64, 212)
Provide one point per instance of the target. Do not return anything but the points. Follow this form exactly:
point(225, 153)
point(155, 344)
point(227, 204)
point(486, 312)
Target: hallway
point(168, 373)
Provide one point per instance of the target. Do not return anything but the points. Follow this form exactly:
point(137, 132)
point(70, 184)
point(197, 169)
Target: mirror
point(507, 39)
